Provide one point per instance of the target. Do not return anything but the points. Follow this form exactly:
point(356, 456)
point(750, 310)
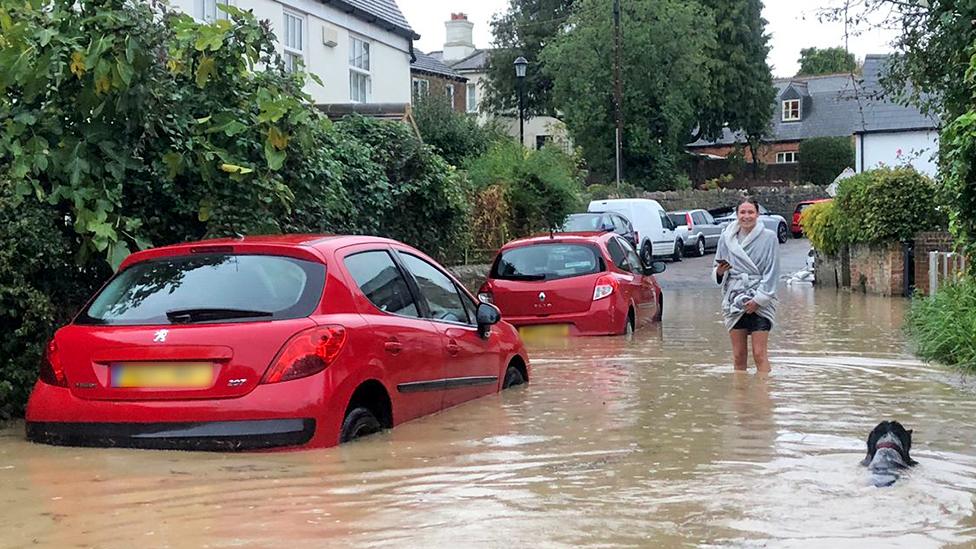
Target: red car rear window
point(547, 262)
point(208, 288)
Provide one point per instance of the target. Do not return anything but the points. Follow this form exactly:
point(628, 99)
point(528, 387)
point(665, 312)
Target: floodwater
point(651, 442)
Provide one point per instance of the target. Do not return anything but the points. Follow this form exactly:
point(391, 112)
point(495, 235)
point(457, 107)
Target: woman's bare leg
point(740, 350)
point(760, 351)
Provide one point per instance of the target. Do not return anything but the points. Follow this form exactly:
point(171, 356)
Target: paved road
point(695, 272)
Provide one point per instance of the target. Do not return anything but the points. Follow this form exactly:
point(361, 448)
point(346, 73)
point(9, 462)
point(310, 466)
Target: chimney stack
point(460, 43)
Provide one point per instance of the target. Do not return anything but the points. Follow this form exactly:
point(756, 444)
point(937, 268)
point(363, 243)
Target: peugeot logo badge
point(542, 296)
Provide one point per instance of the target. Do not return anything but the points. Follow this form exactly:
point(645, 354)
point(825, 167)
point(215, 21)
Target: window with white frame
point(791, 110)
point(791, 157)
point(206, 10)
point(293, 38)
point(472, 97)
point(449, 91)
point(360, 84)
point(421, 88)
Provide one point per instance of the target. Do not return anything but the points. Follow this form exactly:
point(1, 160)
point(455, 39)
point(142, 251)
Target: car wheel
point(660, 308)
point(646, 254)
point(359, 422)
point(679, 246)
point(513, 377)
point(782, 234)
point(701, 247)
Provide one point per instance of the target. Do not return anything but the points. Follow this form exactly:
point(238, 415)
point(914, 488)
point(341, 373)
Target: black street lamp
point(520, 64)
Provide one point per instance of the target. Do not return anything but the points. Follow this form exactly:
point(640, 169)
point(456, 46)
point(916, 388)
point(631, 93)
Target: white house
point(361, 49)
point(888, 134)
point(463, 57)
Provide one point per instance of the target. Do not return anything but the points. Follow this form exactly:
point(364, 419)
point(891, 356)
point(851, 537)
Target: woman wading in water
point(747, 269)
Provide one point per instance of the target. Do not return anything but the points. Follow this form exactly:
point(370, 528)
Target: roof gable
point(430, 65)
point(384, 13)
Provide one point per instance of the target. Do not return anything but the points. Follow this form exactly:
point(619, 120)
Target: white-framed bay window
point(360, 81)
point(472, 97)
point(293, 39)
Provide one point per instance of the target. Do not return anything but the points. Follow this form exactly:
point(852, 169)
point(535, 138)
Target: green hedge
point(888, 204)
point(823, 158)
point(942, 326)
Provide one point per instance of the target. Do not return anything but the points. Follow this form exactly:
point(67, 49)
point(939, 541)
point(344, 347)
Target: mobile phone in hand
point(721, 262)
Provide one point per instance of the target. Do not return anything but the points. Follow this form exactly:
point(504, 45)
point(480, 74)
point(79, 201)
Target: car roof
point(588, 237)
point(300, 245)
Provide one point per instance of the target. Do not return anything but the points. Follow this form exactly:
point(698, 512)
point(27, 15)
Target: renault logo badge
point(542, 296)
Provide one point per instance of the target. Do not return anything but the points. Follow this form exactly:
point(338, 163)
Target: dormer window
point(791, 110)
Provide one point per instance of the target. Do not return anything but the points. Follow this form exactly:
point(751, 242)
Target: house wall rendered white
point(916, 148)
point(389, 52)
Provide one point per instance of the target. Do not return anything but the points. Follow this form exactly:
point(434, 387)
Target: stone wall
point(779, 200)
point(471, 276)
point(925, 243)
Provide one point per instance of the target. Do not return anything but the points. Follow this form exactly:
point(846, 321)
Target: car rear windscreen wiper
point(185, 316)
point(523, 277)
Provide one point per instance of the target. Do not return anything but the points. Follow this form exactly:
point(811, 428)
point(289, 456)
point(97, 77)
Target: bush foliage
point(822, 224)
point(541, 187)
point(126, 126)
point(823, 158)
point(875, 206)
point(888, 204)
point(456, 136)
point(942, 326)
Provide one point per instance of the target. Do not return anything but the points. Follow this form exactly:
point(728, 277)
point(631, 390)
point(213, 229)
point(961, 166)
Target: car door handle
point(453, 348)
point(393, 347)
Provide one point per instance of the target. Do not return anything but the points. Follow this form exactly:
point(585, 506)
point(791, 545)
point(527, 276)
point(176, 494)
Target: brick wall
point(874, 269)
point(925, 243)
point(878, 269)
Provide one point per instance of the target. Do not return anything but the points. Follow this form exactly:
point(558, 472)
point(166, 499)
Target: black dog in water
point(888, 447)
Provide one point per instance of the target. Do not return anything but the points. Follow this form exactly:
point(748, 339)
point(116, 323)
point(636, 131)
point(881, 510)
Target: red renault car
point(573, 284)
point(267, 342)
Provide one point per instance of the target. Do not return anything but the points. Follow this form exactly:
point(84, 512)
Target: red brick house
point(430, 76)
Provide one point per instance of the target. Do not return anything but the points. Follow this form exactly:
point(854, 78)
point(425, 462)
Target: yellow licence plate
point(163, 375)
point(544, 331)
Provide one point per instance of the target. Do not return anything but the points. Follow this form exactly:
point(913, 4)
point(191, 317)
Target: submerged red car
point(267, 342)
point(574, 284)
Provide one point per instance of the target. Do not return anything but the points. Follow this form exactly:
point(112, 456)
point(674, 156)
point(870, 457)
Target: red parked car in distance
point(795, 227)
point(267, 342)
point(573, 284)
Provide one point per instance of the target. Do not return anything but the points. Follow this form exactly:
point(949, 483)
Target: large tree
point(741, 93)
point(524, 30)
point(814, 61)
point(664, 67)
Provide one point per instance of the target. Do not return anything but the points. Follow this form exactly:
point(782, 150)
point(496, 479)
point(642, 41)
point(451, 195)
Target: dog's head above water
point(889, 445)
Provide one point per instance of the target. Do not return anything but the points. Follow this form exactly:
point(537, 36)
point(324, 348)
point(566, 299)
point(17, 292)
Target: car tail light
point(485, 295)
point(605, 285)
point(52, 370)
point(307, 353)
point(688, 221)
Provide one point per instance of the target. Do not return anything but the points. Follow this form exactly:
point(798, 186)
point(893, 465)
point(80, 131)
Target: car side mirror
point(487, 315)
point(654, 268)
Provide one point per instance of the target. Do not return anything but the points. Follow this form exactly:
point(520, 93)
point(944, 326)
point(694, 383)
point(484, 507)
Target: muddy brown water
point(651, 442)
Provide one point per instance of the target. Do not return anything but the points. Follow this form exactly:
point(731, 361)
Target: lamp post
point(520, 64)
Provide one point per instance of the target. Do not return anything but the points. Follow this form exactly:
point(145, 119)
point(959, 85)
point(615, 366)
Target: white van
point(655, 230)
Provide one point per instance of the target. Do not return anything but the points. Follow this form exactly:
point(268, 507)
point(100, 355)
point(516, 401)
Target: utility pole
point(618, 89)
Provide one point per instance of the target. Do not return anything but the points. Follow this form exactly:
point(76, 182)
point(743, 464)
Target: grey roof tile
point(426, 63)
point(476, 61)
point(384, 10)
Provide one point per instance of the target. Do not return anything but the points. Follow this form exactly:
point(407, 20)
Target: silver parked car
point(697, 231)
point(773, 222)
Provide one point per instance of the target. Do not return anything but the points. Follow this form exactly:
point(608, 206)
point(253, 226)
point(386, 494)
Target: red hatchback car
point(573, 284)
point(267, 342)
